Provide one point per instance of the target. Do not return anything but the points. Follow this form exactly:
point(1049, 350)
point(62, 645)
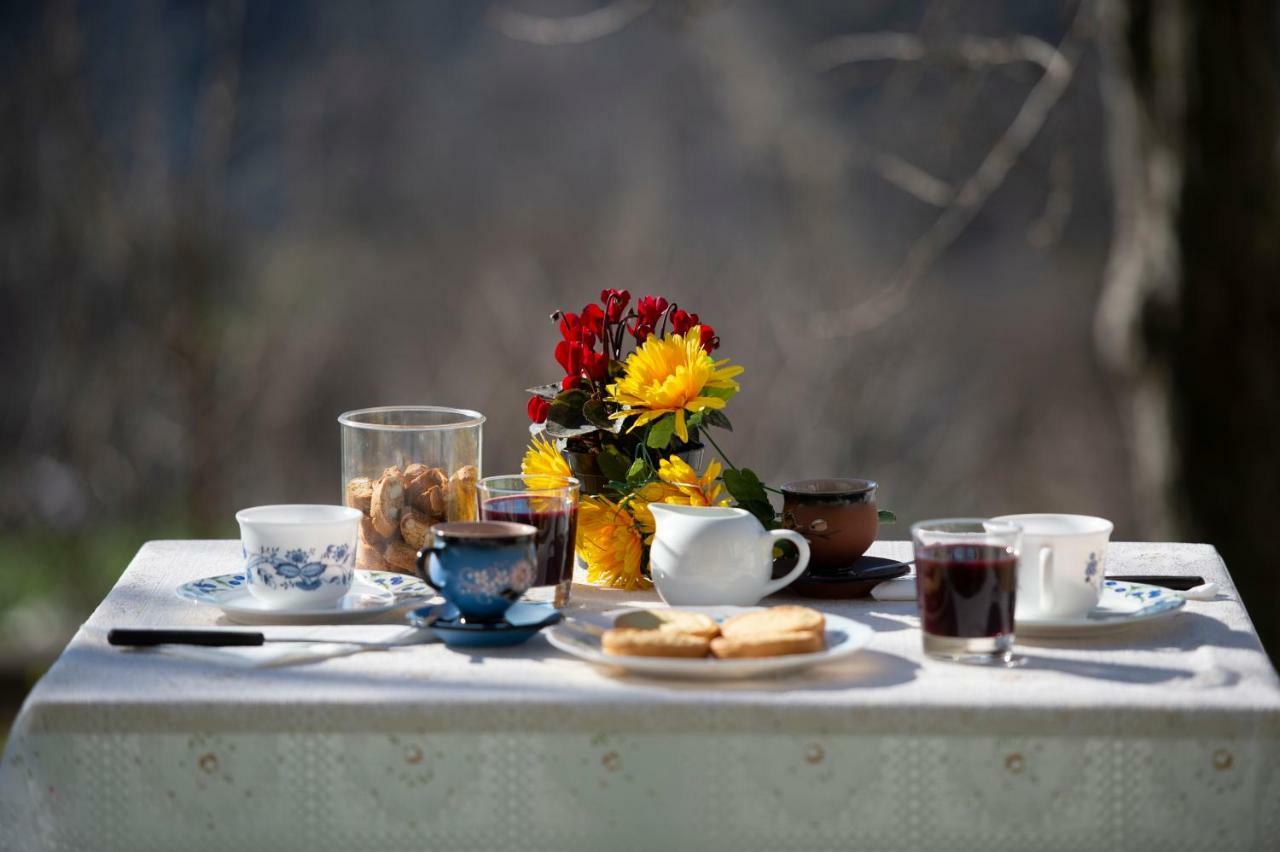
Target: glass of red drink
point(550, 505)
point(966, 581)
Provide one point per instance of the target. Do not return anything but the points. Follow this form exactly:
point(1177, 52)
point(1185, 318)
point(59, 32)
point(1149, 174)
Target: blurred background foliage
point(224, 223)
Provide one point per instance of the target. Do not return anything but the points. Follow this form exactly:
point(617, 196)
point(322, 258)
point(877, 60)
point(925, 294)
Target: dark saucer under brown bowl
point(856, 582)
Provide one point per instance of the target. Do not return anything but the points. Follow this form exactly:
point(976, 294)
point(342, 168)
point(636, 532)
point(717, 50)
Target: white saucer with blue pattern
point(372, 593)
point(1121, 605)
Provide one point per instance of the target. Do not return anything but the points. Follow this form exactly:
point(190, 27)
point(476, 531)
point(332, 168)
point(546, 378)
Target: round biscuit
point(778, 619)
point(777, 644)
point(629, 642)
point(671, 621)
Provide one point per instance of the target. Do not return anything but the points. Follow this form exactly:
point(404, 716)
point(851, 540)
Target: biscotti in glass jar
point(408, 468)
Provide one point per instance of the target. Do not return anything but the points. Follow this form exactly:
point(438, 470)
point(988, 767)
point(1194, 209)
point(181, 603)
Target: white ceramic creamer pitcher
point(710, 555)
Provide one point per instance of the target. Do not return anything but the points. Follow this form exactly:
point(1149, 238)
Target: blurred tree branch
point(573, 29)
point(1059, 66)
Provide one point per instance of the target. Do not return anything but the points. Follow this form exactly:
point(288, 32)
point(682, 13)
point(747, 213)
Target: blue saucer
point(519, 625)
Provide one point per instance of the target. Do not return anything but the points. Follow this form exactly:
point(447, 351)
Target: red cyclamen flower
point(578, 329)
point(650, 310)
point(538, 409)
point(569, 355)
point(595, 365)
point(615, 302)
point(593, 320)
point(709, 340)
point(682, 321)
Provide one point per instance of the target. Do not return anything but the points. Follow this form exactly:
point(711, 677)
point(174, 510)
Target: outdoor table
point(1163, 736)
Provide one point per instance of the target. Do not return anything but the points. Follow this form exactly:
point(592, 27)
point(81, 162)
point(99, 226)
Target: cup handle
point(424, 573)
point(801, 544)
point(1046, 580)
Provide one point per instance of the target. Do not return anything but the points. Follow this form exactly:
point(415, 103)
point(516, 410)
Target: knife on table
point(1178, 582)
point(142, 637)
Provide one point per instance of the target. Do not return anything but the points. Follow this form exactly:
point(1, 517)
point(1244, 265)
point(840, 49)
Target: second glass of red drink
point(966, 581)
point(550, 505)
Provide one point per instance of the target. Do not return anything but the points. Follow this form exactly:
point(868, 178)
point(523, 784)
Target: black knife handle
point(1177, 582)
point(142, 637)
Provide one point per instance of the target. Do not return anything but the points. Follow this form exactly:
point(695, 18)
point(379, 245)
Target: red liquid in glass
point(966, 590)
point(557, 523)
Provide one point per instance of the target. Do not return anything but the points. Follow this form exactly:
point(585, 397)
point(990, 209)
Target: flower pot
point(586, 468)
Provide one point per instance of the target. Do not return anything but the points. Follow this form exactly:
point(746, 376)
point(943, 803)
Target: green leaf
point(694, 420)
point(639, 472)
point(887, 517)
point(660, 432)
point(614, 463)
point(719, 393)
point(597, 413)
point(717, 418)
point(547, 392)
point(566, 409)
point(555, 430)
point(748, 492)
point(744, 486)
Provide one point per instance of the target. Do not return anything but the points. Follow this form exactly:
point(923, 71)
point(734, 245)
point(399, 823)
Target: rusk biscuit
point(369, 533)
point(370, 558)
point(360, 493)
point(670, 621)
point(778, 619)
point(460, 495)
point(423, 479)
point(629, 642)
point(412, 472)
point(415, 528)
point(753, 645)
point(386, 502)
point(431, 502)
point(400, 557)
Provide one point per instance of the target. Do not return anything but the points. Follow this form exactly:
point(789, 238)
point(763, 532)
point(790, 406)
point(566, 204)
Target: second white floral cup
point(1060, 570)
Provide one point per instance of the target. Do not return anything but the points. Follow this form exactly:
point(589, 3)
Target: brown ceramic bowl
point(838, 517)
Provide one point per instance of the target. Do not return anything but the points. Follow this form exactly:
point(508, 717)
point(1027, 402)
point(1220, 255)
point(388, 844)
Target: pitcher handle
point(801, 545)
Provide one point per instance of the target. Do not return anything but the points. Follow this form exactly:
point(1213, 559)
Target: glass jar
point(407, 468)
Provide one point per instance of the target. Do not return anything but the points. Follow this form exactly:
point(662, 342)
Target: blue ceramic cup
point(481, 567)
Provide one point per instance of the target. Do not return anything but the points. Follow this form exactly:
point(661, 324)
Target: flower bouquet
point(628, 425)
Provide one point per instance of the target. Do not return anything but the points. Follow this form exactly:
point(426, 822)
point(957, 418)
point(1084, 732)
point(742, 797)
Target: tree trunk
point(1190, 315)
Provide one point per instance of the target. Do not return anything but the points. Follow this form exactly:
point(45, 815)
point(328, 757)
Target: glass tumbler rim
point(983, 527)
point(467, 418)
point(563, 483)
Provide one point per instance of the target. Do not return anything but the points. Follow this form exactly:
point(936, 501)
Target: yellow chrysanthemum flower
point(704, 490)
point(542, 459)
point(610, 544)
point(671, 375)
point(680, 485)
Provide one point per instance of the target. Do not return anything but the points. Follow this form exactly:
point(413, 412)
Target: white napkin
point(329, 644)
point(904, 589)
point(898, 589)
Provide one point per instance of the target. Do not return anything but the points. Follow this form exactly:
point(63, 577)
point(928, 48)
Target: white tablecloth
point(1166, 736)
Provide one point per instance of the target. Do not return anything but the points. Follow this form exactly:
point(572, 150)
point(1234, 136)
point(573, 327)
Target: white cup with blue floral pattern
point(299, 556)
point(1061, 566)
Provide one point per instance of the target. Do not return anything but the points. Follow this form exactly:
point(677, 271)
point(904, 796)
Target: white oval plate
point(1121, 605)
point(372, 593)
point(844, 637)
